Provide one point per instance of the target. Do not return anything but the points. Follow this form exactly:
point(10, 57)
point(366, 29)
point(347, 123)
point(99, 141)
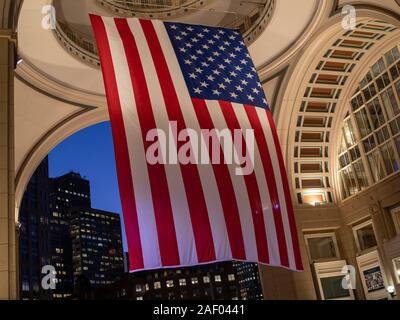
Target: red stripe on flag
point(252, 190)
point(158, 180)
point(225, 188)
point(269, 175)
point(125, 180)
point(289, 206)
point(191, 178)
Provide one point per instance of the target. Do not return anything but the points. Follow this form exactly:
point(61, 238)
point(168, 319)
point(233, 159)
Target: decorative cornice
point(44, 84)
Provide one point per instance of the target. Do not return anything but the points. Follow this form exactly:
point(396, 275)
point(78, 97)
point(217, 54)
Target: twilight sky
point(91, 153)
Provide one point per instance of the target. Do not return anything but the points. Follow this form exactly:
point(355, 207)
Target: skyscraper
point(34, 249)
point(68, 192)
point(59, 228)
point(96, 246)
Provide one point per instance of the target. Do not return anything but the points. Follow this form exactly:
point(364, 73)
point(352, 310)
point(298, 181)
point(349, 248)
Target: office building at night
point(68, 192)
point(59, 228)
point(248, 279)
point(34, 241)
point(97, 251)
point(218, 281)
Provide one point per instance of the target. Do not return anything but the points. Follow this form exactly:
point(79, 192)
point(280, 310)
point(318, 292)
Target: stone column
point(8, 248)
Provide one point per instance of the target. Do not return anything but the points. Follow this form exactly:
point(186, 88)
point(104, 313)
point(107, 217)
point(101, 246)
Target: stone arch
point(316, 89)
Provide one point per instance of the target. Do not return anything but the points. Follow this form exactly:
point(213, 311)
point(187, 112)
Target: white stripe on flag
point(144, 203)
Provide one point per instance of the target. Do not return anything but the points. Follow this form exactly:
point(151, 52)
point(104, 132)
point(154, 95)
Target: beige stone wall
point(8, 249)
point(372, 204)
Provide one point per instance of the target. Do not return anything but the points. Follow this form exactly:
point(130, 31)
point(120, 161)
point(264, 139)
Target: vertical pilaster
point(8, 249)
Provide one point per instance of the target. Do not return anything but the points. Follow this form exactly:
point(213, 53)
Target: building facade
point(68, 192)
point(34, 235)
point(248, 279)
point(59, 228)
point(97, 251)
point(219, 281)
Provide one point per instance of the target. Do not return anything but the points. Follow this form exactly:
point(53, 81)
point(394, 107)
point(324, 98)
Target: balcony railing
point(78, 44)
point(83, 46)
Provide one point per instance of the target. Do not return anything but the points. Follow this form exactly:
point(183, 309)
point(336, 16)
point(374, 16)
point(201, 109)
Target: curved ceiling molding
point(305, 21)
point(163, 9)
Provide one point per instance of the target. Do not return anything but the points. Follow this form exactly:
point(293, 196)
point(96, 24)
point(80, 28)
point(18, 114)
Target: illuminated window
point(217, 278)
point(195, 280)
point(231, 277)
point(206, 279)
point(170, 283)
point(314, 198)
point(182, 282)
point(157, 285)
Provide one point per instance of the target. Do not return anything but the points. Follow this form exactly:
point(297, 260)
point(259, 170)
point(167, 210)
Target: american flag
point(199, 77)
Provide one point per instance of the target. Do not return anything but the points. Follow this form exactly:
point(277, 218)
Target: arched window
point(369, 148)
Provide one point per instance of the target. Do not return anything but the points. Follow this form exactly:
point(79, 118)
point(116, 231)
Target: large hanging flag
point(200, 170)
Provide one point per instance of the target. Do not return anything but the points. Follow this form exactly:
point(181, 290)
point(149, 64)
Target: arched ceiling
point(318, 92)
point(41, 51)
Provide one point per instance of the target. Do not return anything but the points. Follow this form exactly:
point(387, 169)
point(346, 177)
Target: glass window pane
point(375, 165)
point(360, 174)
point(395, 126)
point(376, 70)
point(350, 181)
point(382, 135)
point(386, 79)
point(363, 122)
point(333, 289)
point(376, 113)
point(394, 72)
point(396, 53)
point(395, 105)
point(397, 85)
point(366, 237)
point(343, 146)
point(380, 83)
point(344, 160)
point(389, 159)
point(367, 94)
point(390, 103)
point(349, 134)
point(355, 153)
point(369, 143)
point(397, 142)
point(321, 248)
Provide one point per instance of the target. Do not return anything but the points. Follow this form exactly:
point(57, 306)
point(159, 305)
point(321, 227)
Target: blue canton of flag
point(216, 64)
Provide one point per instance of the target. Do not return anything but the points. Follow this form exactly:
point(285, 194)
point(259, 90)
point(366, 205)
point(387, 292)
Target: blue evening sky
point(91, 153)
